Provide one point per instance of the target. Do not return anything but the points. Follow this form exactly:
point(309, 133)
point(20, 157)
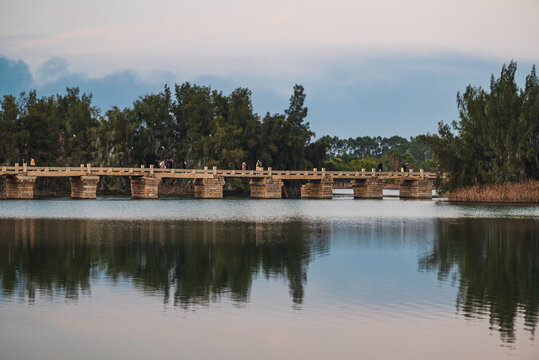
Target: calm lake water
point(267, 279)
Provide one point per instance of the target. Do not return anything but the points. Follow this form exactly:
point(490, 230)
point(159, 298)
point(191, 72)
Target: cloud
point(52, 69)
point(377, 96)
point(248, 37)
point(15, 76)
point(119, 88)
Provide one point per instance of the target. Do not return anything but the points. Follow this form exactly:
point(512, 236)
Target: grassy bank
point(525, 192)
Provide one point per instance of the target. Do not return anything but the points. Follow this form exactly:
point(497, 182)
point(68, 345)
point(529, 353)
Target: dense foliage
point(367, 152)
point(195, 124)
point(192, 124)
point(496, 139)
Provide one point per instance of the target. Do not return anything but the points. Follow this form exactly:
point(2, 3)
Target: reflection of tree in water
point(192, 262)
point(497, 264)
point(32, 259)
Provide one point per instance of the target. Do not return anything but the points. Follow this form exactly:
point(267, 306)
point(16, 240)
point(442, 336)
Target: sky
point(376, 68)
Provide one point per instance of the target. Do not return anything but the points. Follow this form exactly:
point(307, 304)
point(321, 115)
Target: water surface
point(244, 279)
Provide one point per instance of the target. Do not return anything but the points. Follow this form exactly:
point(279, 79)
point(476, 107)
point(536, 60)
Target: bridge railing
point(88, 169)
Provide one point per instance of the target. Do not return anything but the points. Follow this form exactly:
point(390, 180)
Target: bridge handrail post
point(421, 174)
point(373, 172)
point(151, 168)
point(363, 172)
point(25, 168)
point(214, 170)
point(269, 171)
point(89, 169)
point(323, 173)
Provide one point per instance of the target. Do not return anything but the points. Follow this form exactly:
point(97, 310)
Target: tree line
point(496, 139)
point(354, 154)
point(190, 123)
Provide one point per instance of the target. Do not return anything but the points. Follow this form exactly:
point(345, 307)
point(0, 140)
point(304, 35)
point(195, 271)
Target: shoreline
point(509, 193)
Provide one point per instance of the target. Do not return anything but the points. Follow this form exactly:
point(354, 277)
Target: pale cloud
point(375, 67)
point(271, 37)
point(51, 70)
point(350, 96)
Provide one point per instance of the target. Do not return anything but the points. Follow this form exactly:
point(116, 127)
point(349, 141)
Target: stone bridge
point(208, 183)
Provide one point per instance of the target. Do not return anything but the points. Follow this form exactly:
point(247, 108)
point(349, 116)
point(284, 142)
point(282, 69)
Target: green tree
point(496, 137)
point(9, 130)
point(299, 134)
point(237, 131)
point(77, 120)
point(194, 113)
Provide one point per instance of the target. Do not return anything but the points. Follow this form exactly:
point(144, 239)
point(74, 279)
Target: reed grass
point(524, 192)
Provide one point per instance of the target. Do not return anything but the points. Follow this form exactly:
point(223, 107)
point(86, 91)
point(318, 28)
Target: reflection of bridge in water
point(208, 183)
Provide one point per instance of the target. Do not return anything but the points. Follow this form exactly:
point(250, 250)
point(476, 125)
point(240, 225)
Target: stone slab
point(266, 188)
point(322, 189)
point(20, 187)
point(84, 187)
point(415, 189)
point(369, 188)
point(209, 188)
point(145, 187)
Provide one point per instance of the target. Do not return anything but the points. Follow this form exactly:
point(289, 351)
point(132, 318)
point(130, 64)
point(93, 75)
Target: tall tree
point(496, 137)
point(9, 130)
point(299, 134)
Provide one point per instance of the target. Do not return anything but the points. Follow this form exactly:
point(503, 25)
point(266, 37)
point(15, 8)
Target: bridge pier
point(145, 187)
point(318, 189)
point(20, 187)
point(266, 188)
point(415, 189)
point(368, 188)
point(209, 188)
point(84, 187)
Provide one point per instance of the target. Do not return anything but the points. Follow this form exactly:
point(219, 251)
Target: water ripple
point(256, 210)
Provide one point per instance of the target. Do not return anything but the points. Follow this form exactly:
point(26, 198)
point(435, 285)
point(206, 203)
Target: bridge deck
point(44, 171)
